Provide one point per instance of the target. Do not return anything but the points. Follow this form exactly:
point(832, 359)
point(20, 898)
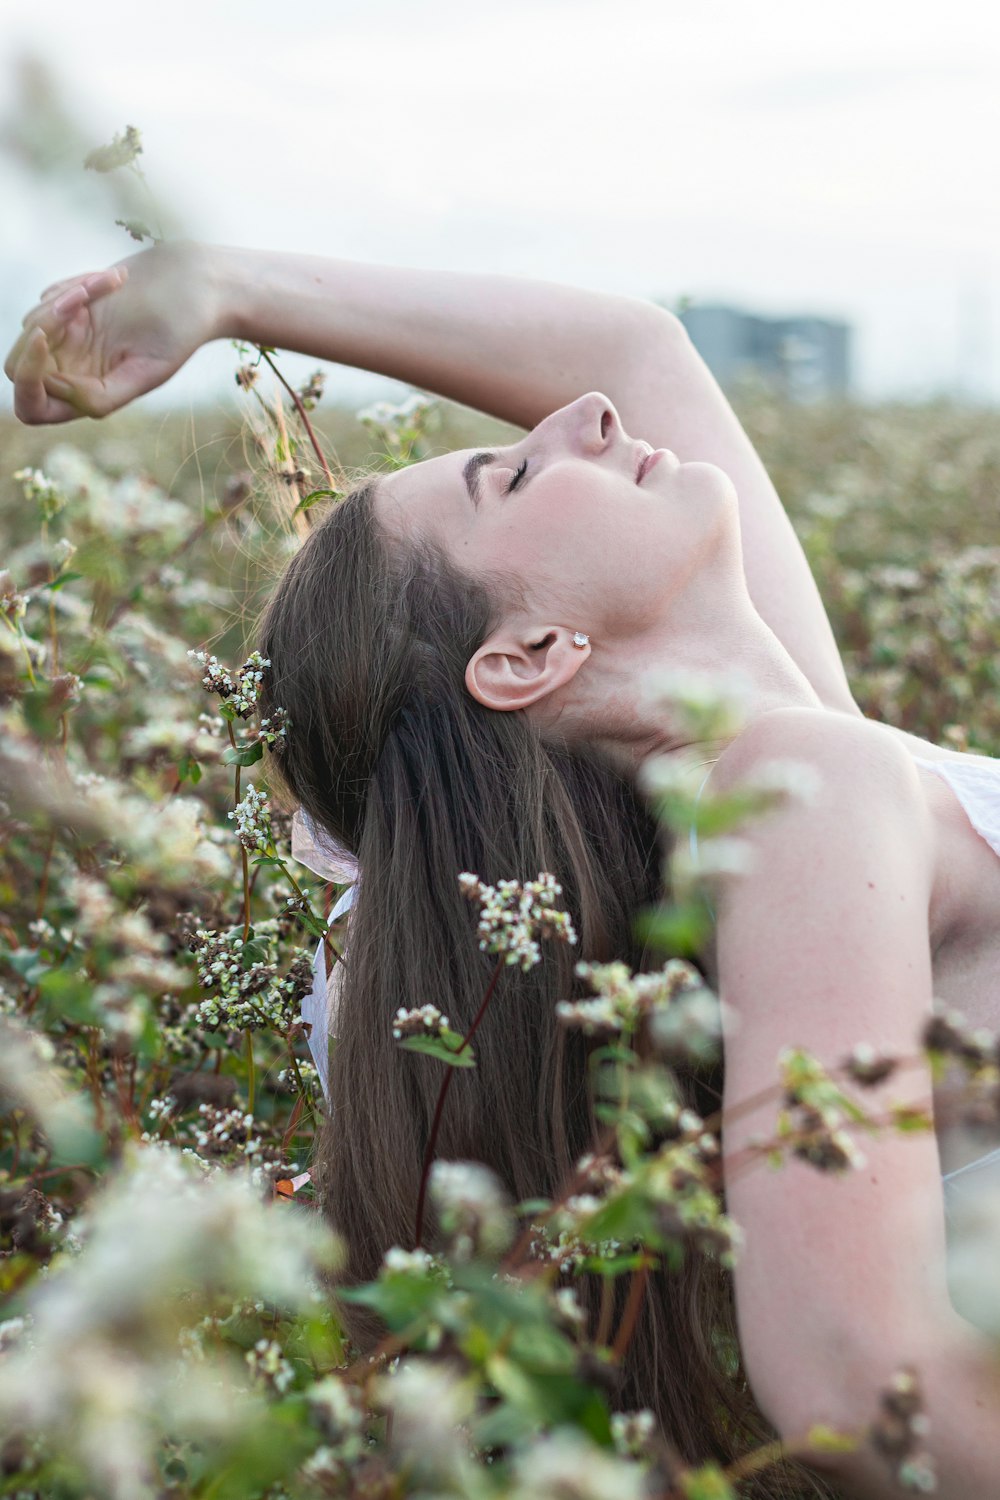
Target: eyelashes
point(519, 474)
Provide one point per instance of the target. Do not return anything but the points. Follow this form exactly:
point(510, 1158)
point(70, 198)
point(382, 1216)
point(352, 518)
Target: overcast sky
point(838, 159)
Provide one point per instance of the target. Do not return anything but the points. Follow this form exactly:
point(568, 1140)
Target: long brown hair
point(390, 754)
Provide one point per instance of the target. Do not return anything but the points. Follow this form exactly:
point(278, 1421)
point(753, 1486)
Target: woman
point(463, 648)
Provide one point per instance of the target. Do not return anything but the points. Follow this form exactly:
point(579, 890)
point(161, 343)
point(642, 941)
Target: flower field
point(168, 1311)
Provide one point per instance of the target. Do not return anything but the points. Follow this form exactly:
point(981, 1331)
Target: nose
point(592, 422)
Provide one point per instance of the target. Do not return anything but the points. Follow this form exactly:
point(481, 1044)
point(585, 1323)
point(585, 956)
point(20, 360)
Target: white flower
point(253, 820)
point(430, 1404)
point(422, 1020)
point(567, 1464)
point(397, 1259)
point(513, 916)
point(105, 1377)
point(472, 1207)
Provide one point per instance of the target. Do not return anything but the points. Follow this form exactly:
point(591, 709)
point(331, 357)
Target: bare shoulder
point(846, 750)
point(847, 859)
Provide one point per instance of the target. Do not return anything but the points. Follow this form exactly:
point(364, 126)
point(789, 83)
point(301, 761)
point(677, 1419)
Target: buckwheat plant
point(166, 1325)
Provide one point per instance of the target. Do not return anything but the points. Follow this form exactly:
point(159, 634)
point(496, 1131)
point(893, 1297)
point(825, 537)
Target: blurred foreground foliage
point(164, 1328)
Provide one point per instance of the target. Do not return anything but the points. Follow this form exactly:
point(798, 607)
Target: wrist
point(227, 287)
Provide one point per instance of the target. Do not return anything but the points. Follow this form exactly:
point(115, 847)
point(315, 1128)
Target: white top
point(975, 782)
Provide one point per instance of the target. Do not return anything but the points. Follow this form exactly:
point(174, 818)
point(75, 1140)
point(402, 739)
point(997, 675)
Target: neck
point(639, 695)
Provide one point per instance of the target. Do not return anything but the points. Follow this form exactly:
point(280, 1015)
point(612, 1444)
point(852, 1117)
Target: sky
point(840, 160)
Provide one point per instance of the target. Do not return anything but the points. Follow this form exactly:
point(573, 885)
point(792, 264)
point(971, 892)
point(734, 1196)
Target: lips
point(645, 454)
point(653, 457)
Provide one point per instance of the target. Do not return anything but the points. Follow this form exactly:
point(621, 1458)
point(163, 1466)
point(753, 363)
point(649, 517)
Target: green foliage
point(164, 1328)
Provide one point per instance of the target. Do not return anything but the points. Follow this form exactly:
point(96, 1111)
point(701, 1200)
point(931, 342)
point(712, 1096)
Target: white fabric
point(315, 849)
point(330, 860)
point(976, 783)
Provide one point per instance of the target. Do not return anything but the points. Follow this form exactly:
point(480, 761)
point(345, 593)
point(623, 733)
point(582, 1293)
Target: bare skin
point(874, 899)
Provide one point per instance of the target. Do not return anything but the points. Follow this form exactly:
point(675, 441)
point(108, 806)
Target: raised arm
point(842, 1279)
point(513, 347)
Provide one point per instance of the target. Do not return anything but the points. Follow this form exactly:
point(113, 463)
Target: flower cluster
point(122, 152)
point(253, 821)
point(268, 1364)
point(473, 1211)
point(899, 1430)
point(625, 998)
point(312, 391)
point(513, 917)
point(215, 676)
point(43, 491)
point(633, 1431)
point(424, 1020)
point(867, 1066)
point(12, 602)
point(240, 691)
point(248, 995)
point(814, 1114)
point(275, 727)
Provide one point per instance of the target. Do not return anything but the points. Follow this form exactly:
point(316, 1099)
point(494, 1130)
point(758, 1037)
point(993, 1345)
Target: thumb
point(98, 396)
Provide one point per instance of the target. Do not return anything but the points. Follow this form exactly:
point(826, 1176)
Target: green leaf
point(228, 711)
point(243, 755)
point(27, 963)
point(707, 1483)
point(57, 582)
point(69, 995)
point(546, 1400)
point(255, 951)
point(677, 930)
point(308, 501)
point(402, 1299)
point(188, 769)
point(444, 1047)
point(312, 923)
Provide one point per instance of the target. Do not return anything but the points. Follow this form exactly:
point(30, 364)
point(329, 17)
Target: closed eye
point(519, 474)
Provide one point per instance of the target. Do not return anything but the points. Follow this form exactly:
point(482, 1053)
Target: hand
point(96, 341)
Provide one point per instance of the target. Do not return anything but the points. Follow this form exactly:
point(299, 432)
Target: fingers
point(32, 402)
point(106, 280)
point(61, 300)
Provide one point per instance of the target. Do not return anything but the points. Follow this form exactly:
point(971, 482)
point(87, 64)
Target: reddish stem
point(630, 1316)
point(439, 1107)
point(303, 416)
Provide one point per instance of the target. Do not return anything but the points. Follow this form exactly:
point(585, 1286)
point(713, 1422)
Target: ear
point(512, 670)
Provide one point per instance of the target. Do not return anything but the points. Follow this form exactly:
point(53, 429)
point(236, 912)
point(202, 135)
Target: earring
point(581, 640)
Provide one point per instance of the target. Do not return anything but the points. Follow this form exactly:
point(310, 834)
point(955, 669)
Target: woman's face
point(590, 541)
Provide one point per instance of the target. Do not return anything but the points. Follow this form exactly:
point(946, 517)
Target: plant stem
point(292, 1125)
point(633, 1307)
point(607, 1307)
point(251, 1072)
point(303, 416)
point(772, 1453)
point(439, 1107)
point(43, 889)
point(514, 1257)
point(243, 853)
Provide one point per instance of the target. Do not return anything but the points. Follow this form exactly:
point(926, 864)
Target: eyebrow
point(472, 474)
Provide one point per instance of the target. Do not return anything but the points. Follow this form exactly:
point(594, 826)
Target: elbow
point(858, 1410)
point(666, 324)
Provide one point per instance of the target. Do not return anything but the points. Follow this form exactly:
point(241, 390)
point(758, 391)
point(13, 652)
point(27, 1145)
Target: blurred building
point(807, 359)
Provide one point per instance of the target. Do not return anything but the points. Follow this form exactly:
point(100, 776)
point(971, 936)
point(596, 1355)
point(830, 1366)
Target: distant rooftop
point(806, 358)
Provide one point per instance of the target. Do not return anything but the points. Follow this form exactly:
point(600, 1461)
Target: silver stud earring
point(581, 640)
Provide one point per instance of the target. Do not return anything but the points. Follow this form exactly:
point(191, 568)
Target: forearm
point(514, 347)
point(959, 1377)
point(519, 349)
